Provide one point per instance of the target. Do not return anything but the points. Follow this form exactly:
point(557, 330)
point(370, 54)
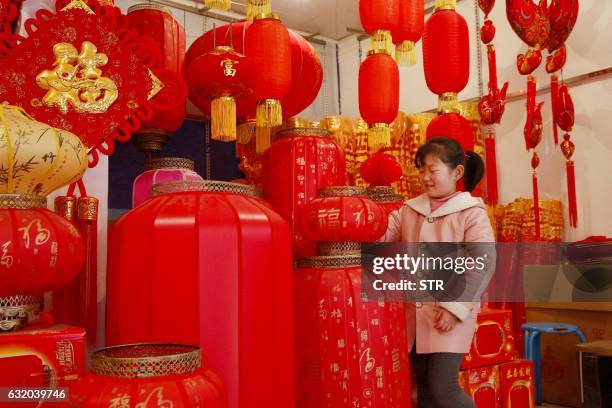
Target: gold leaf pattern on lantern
point(78, 4)
point(76, 80)
point(156, 85)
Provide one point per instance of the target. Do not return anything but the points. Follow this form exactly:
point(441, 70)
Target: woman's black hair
point(450, 152)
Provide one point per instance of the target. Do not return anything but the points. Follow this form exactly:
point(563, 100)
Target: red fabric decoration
point(487, 32)
point(381, 169)
point(379, 18)
point(409, 31)
point(486, 6)
point(529, 21)
point(491, 169)
point(41, 251)
point(452, 125)
point(562, 15)
point(378, 95)
point(9, 11)
point(556, 61)
point(124, 85)
point(565, 109)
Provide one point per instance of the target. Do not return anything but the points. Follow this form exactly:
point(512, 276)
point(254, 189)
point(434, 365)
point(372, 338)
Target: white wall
point(588, 50)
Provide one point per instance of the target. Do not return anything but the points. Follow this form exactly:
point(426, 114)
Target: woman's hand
point(444, 320)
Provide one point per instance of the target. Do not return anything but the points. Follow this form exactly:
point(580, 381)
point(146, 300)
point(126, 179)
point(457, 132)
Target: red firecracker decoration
point(409, 31)
point(379, 19)
point(381, 169)
point(379, 96)
point(268, 48)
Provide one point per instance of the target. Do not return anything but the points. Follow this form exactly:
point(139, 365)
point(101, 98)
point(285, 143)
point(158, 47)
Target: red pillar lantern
point(378, 96)
point(379, 18)
point(409, 31)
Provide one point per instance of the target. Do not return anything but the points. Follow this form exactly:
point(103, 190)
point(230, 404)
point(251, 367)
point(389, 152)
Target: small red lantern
point(379, 96)
point(269, 50)
point(379, 18)
point(409, 31)
point(446, 54)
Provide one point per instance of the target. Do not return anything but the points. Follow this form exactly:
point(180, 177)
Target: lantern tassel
point(218, 4)
point(381, 40)
point(245, 132)
point(571, 193)
point(269, 113)
point(263, 138)
point(405, 53)
point(491, 160)
point(536, 206)
point(554, 92)
point(257, 7)
point(379, 135)
point(223, 119)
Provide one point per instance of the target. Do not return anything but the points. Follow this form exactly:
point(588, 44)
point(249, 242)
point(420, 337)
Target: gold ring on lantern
point(378, 51)
point(210, 186)
point(338, 248)
point(17, 310)
point(302, 131)
point(447, 102)
point(149, 6)
point(445, 5)
point(170, 163)
point(328, 262)
point(343, 191)
point(146, 360)
point(21, 201)
point(384, 194)
point(267, 16)
point(151, 139)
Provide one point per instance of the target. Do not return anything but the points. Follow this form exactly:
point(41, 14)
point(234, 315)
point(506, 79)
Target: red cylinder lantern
point(379, 18)
point(213, 267)
point(409, 31)
point(267, 46)
point(40, 250)
point(378, 96)
point(157, 22)
point(148, 375)
point(446, 54)
point(299, 163)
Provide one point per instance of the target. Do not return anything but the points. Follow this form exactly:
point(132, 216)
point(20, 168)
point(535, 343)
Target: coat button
point(430, 220)
point(418, 304)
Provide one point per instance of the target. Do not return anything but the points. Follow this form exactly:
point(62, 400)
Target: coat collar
point(457, 203)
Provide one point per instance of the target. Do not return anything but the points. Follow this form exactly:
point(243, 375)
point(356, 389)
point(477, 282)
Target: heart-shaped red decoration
point(529, 62)
point(487, 32)
point(486, 6)
point(562, 16)
point(529, 21)
point(556, 61)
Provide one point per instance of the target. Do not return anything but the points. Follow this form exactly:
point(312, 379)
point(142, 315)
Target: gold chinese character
point(121, 401)
point(6, 259)
point(42, 234)
point(76, 80)
point(228, 67)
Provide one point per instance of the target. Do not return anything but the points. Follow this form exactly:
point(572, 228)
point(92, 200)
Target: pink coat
point(462, 218)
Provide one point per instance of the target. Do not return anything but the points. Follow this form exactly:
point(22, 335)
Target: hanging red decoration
point(562, 17)
point(565, 120)
point(112, 87)
point(381, 169)
point(446, 54)
point(9, 11)
point(378, 96)
point(409, 31)
point(379, 19)
point(452, 125)
point(268, 47)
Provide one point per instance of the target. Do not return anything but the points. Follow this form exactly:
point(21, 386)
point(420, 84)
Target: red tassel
point(536, 206)
point(491, 164)
point(554, 92)
point(492, 67)
point(571, 193)
point(87, 221)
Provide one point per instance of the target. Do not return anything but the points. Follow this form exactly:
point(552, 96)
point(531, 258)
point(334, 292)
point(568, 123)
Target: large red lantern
point(409, 31)
point(446, 54)
point(379, 18)
point(378, 96)
point(163, 375)
point(306, 76)
point(269, 50)
point(213, 267)
point(299, 163)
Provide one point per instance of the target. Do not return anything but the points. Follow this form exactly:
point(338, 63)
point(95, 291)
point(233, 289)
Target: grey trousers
point(437, 380)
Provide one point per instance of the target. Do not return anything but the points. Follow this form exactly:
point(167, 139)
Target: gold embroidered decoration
point(156, 85)
point(76, 80)
point(78, 4)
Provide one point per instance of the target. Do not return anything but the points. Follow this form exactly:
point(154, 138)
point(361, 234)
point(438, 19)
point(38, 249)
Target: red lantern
point(446, 54)
point(381, 169)
point(299, 163)
point(452, 125)
point(241, 317)
point(269, 50)
point(342, 214)
point(409, 31)
point(379, 18)
point(378, 96)
point(40, 251)
point(169, 375)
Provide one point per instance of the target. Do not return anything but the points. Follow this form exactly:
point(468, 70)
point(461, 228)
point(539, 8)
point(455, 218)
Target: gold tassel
point(381, 40)
point(218, 4)
point(448, 102)
point(446, 5)
point(245, 132)
point(263, 139)
point(379, 135)
point(223, 119)
point(257, 7)
point(269, 113)
point(405, 54)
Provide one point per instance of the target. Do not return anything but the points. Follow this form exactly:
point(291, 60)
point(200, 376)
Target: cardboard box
point(484, 386)
point(517, 384)
point(560, 373)
point(49, 357)
point(493, 341)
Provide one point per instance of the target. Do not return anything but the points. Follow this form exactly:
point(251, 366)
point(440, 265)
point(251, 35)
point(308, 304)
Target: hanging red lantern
point(169, 375)
point(269, 50)
point(409, 31)
point(378, 96)
point(452, 125)
point(381, 169)
point(379, 18)
point(446, 54)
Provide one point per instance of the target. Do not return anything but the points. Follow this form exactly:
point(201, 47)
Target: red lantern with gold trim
point(409, 31)
point(379, 18)
point(379, 96)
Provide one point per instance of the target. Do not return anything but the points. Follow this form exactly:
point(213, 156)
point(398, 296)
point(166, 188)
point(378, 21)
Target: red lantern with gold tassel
point(269, 50)
point(379, 18)
point(409, 31)
point(379, 96)
point(565, 120)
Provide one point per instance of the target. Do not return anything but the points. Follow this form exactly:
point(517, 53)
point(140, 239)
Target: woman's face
point(438, 179)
